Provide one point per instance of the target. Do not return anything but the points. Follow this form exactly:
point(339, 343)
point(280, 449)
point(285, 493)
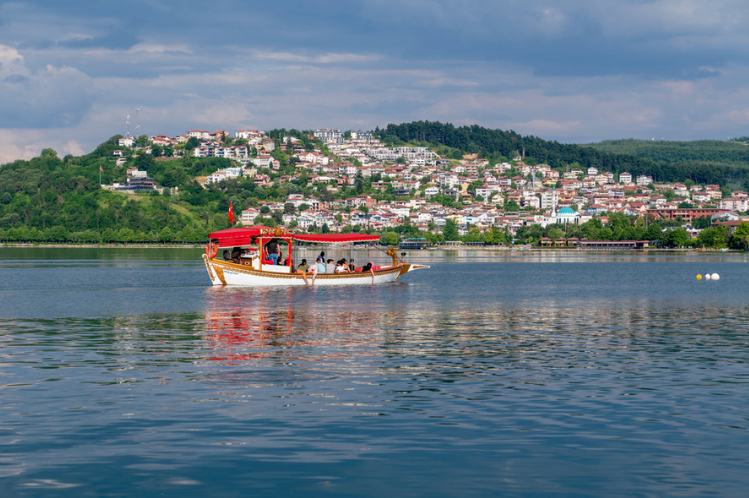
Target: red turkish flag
point(231, 213)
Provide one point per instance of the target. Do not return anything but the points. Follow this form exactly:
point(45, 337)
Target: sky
point(575, 71)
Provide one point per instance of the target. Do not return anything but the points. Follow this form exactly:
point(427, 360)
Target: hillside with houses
point(326, 180)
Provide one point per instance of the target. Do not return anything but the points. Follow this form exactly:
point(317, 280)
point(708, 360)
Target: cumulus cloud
point(50, 97)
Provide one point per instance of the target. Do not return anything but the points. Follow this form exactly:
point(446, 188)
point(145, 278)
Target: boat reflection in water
point(246, 324)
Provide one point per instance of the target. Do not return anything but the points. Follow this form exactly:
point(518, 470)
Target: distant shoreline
point(535, 250)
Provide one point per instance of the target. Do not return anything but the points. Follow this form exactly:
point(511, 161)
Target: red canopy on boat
point(245, 235)
point(332, 238)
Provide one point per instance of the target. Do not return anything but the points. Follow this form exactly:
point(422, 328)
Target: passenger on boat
point(302, 270)
point(227, 256)
point(330, 267)
point(313, 271)
point(322, 256)
point(273, 251)
point(351, 265)
point(341, 266)
point(235, 254)
point(368, 268)
point(321, 266)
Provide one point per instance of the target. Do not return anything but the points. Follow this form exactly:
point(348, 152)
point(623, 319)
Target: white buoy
point(715, 276)
point(707, 276)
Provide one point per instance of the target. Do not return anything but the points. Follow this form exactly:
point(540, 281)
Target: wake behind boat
point(245, 259)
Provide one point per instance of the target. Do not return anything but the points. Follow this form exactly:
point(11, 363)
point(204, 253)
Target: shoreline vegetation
point(411, 252)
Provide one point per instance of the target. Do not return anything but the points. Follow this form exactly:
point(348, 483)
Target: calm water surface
point(122, 373)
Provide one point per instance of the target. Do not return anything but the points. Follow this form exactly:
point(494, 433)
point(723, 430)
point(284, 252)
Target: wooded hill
point(59, 200)
point(705, 162)
point(711, 152)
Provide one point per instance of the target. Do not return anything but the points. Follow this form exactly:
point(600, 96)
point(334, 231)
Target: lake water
point(122, 373)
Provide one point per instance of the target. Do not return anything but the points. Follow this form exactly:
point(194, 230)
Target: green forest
point(712, 152)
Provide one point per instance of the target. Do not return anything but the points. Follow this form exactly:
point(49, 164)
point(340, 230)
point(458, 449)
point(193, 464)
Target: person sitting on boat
point(320, 264)
point(351, 265)
point(273, 251)
point(235, 254)
point(313, 271)
point(303, 269)
point(330, 267)
point(341, 266)
point(226, 255)
point(368, 268)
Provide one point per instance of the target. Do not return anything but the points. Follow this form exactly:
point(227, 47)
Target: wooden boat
point(248, 264)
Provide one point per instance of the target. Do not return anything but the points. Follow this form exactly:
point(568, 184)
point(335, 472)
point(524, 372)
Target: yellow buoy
point(699, 277)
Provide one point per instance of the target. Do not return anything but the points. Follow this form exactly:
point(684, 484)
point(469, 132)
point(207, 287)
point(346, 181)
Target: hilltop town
point(178, 189)
point(413, 187)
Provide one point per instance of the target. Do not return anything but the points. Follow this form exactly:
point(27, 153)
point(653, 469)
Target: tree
point(191, 143)
point(288, 208)
point(713, 236)
point(391, 238)
point(530, 234)
point(591, 229)
point(677, 237)
point(141, 141)
point(166, 235)
point(511, 205)
point(475, 235)
point(555, 233)
point(495, 236)
point(450, 230)
point(701, 222)
point(653, 232)
point(326, 195)
point(740, 239)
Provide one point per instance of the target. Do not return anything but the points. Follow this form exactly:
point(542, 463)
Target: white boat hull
point(229, 273)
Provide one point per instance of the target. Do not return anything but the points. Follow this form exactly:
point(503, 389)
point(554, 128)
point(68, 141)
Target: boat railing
point(276, 269)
